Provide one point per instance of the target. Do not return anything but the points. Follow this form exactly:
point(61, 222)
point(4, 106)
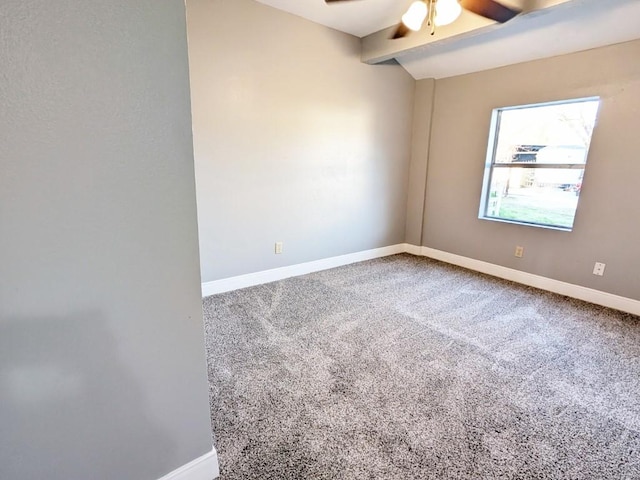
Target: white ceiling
point(573, 26)
point(359, 17)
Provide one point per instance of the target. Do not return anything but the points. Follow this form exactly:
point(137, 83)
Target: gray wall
point(102, 367)
point(295, 140)
point(606, 227)
point(421, 138)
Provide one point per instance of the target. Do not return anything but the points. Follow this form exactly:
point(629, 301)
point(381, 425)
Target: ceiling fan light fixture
point(447, 11)
point(414, 18)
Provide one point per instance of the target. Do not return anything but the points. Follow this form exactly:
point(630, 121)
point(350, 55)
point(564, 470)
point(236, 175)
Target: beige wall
point(607, 226)
point(295, 140)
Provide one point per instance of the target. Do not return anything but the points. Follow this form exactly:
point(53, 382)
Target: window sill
point(526, 224)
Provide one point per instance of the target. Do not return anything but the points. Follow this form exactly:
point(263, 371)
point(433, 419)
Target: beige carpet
point(408, 368)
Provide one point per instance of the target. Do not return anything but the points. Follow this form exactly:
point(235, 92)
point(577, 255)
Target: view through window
point(536, 161)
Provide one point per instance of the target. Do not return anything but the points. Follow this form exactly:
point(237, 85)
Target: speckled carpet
point(408, 368)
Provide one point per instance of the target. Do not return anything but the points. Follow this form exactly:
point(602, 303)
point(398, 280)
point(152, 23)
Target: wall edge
point(202, 468)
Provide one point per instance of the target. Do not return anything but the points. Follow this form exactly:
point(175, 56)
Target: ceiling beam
point(379, 47)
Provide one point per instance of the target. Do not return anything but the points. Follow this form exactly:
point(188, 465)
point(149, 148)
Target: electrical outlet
point(278, 247)
point(519, 251)
point(598, 269)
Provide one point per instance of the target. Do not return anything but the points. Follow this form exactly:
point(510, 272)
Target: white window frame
point(490, 163)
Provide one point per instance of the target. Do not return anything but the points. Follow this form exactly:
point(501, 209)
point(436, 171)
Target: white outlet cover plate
point(598, 269)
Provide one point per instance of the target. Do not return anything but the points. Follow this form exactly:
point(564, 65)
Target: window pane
point(544, 196)
point(557, 133)
point(536, 161)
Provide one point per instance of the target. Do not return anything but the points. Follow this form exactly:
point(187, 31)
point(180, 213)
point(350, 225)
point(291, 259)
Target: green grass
point(534, 210)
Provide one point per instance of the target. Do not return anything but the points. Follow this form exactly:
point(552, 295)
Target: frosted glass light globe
point(447, 11)
point(415, 16)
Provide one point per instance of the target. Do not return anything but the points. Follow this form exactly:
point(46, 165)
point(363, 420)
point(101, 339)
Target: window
point(535, 162)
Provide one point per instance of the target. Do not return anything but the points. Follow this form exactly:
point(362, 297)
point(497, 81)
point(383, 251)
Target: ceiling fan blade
point(490, 9)
point(401, 31)
point(331, 1)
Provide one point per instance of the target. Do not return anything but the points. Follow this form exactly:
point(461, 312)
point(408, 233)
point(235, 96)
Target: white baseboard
point(266, 276)
point(202, 468)
point(413, 249)
point(563, 288)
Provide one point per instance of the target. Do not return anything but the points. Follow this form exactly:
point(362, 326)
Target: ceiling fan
point(443, 12)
